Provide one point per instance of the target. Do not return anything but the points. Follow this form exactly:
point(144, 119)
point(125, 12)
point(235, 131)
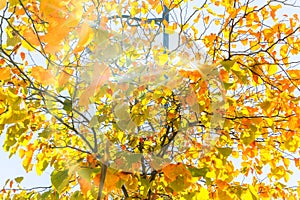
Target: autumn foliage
point(157, 99)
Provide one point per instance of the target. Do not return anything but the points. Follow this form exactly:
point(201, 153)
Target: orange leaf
point(84, 98)
point(294, 73)
point(97, 179)
point(297, 162)
point(31, 37)
point(64, 76)
point(111, 180)
point(28, 158)
point(11, 183)
point(5, 73)
point(85, 185)
point(85, 36)
point(296, 17)
point(2, 61)
point(103, 22)
point(244, 41)
point(274, 9)
point(100, 76)
point(43, 76)
point(171, 171)
point(22, 54)
point(206, 19)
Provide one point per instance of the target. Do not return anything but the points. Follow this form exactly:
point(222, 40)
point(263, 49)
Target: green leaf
point(94, 121)
point(241, 76)
point(227, 64)
point(208, 181)
point(45, 133)
point(225, 151)
point(45, 195)
point(76, 195)
point(12, 41)
point(19, 179)
point(178, 185)
point(145, 187)
point(87, 172)
point(67, 105)
point(247, 137)
point(6, 182)
point(227, 85)
point(59, 179)
point(195, 172)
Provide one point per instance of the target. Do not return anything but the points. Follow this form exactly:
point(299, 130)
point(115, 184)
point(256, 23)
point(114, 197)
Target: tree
point(151, 99)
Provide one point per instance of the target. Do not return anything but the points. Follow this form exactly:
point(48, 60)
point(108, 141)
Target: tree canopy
point(156, 99)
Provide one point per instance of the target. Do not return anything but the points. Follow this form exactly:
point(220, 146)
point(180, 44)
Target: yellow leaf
point(5, 73)
point(159, 9)
point(272, 69)
point(21, 153)
point(244, 42)
point(203, 194)
point(265, 155)
point(13, 116)
point(2, 4)
point(162, 59)
point(254, 45)
point(286, 162)
point(278, 172)
point(284, 51)
point(134, 8)
point(152, 23)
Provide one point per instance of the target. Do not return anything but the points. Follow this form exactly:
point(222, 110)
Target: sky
point(11, 167)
